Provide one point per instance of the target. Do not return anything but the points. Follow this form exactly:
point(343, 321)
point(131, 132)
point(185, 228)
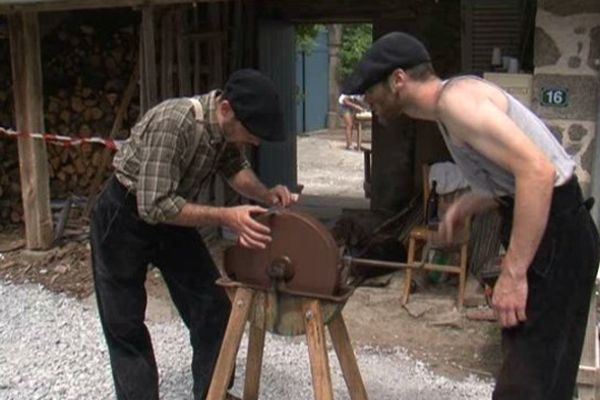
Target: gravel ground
point(51, 347)
point(326, 168)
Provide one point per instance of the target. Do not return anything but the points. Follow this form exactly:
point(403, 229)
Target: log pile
point(11, 209)
point(87, 60)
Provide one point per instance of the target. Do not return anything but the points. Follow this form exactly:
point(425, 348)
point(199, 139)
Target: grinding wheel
point(302, 258)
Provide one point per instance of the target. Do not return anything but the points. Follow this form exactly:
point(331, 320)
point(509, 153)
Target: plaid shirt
point(170, 156)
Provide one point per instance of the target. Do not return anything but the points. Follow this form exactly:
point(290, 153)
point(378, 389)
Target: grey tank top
point(487, 177)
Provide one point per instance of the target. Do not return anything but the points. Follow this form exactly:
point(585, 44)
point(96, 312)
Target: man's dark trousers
point(541, 356)
point(122, 247)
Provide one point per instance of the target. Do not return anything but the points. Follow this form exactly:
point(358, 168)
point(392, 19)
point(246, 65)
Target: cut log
point(77, 104)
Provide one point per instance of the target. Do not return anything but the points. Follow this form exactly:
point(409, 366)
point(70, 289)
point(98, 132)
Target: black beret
point(394, 50)
point(256, 104)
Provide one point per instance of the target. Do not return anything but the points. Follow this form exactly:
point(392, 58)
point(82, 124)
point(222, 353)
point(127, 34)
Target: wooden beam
point(237, 41)
point(183, 54)
point(64, 5)
point(149, 56)
point(167, 55)
point(197, 52)
point(29, 114)
point(216, 47)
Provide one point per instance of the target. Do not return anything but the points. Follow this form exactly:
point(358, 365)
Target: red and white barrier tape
point(64, 141)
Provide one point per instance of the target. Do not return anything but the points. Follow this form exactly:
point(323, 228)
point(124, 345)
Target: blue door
point(312, 86)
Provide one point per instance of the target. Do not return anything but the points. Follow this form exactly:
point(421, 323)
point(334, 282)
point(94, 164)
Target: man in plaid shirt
point(150, 209)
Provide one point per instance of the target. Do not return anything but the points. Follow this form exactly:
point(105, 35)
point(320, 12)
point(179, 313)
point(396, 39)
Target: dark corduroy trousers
point(541, 356)
point(122, 247)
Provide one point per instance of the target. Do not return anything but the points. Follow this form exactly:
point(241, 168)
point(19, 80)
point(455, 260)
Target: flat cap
point(256, 104)
point(394, 50)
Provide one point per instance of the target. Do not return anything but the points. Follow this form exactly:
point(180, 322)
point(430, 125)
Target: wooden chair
point(419, 242)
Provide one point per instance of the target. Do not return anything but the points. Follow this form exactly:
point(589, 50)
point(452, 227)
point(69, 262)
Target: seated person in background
point(350, 105)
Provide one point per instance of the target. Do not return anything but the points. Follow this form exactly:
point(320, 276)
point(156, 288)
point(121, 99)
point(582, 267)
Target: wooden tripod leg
point(256, 343)
point(317, 350)
point(231, 343)
point(343, 349)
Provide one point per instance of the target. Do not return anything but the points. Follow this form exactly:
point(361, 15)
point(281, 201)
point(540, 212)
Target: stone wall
point(567, 57)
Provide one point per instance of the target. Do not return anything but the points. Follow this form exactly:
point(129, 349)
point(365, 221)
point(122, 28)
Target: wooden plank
point(63, 5)
point(250, 30)
point(317, 350)
point(204, 36)
point(235, 58)
point(466, 34)
point(166, 56)
point(345, 353)
point(197, 54)
point(143, 92)
point(29, 114)
point(183, 54)
point(256, 343)
point(149, 56)
point(216, 53)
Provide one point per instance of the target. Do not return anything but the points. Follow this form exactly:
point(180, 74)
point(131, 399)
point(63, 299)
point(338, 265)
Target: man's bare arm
point(484, 126)
point(247, 184)
point(251, 233)
point(459, 211)
point(480, 123)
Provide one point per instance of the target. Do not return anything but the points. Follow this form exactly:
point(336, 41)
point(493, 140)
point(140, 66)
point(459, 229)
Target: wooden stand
point(250, 305)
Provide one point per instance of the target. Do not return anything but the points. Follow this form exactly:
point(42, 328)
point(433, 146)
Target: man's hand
point(280, 195)
point(453, 220)
point(457, 214)
point(510, 297)
point(252, 234)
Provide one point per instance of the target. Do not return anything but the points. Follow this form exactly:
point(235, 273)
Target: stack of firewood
point(86, 67)
point(11, 209)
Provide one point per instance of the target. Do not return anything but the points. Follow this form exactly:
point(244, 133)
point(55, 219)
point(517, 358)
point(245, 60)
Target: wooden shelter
point(196, 50)
point(192, 57)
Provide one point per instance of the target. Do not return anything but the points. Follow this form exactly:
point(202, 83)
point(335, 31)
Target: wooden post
point(256, 343)
point(33, 160)
point(343, 349)
point(317, 350)
point(240, 308)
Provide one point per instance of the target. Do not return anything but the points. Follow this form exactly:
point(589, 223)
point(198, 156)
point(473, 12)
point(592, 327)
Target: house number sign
point(555, 97)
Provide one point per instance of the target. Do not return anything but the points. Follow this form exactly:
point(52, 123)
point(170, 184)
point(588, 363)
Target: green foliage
point(306, 36)
point(356, 39)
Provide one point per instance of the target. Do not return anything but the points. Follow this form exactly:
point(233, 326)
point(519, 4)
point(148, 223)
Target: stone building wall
point(567, 57)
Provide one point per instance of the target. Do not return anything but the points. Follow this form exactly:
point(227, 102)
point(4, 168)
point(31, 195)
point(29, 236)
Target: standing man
point(512, 161)
point(149, 213)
